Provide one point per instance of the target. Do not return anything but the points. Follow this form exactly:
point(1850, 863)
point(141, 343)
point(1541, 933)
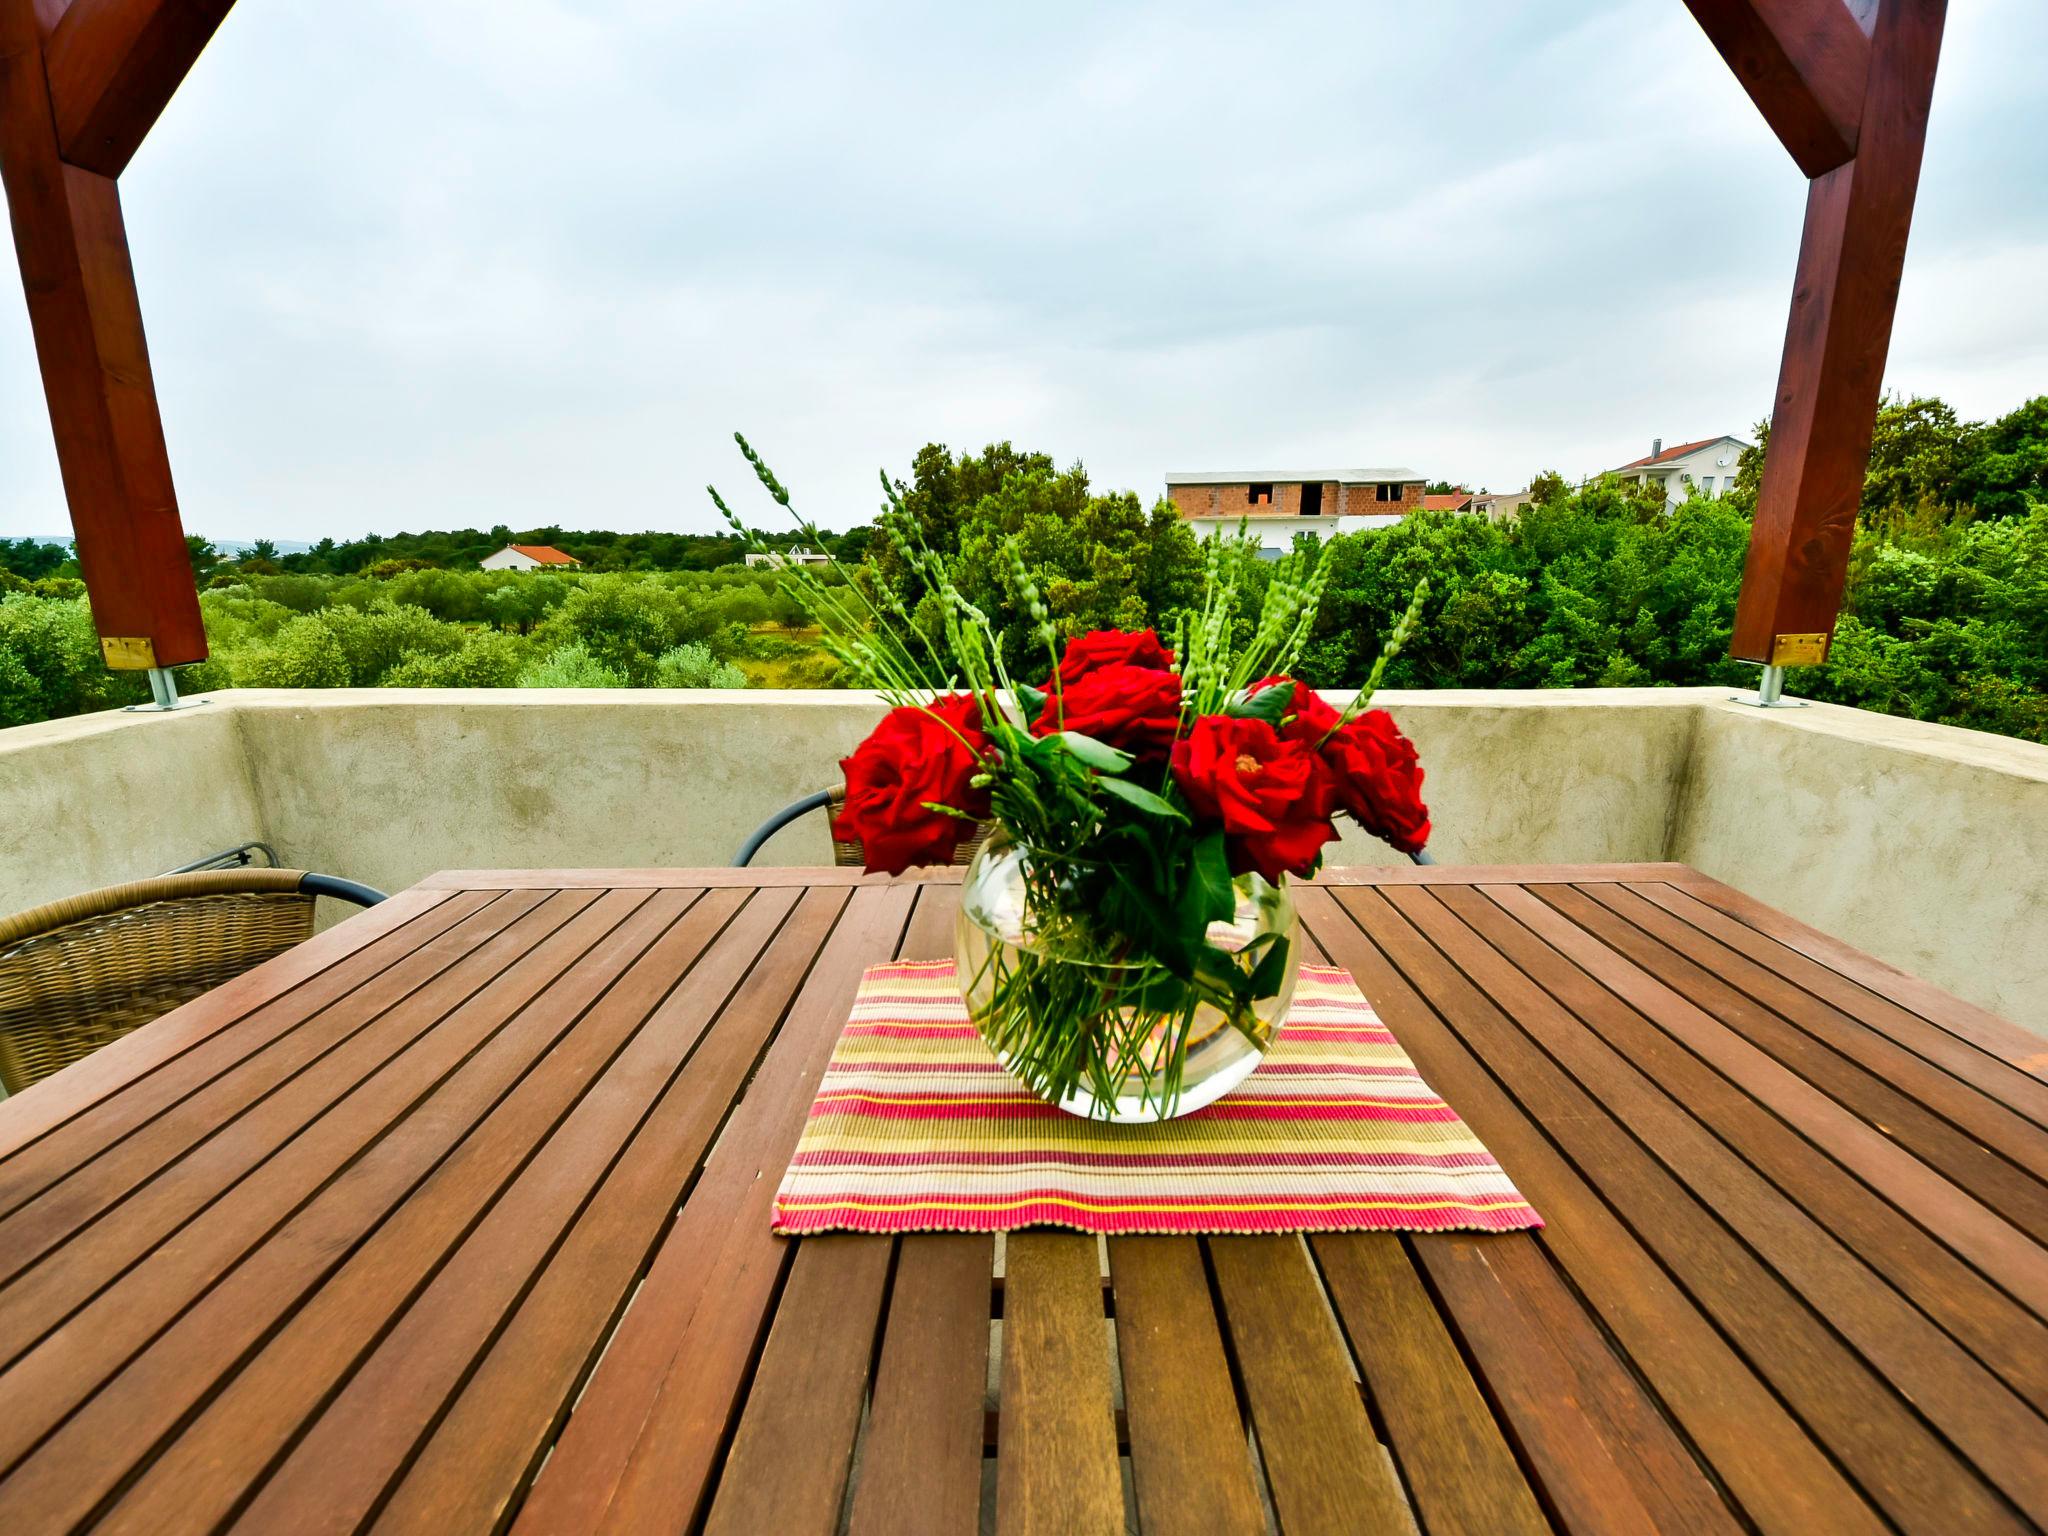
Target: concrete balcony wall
point(103, 798)
point(1925, 845)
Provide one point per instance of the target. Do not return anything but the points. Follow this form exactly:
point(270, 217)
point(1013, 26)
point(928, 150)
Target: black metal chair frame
point(797, 809)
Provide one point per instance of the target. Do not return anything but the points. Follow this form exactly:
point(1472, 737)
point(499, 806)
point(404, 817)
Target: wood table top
point(456, 1218)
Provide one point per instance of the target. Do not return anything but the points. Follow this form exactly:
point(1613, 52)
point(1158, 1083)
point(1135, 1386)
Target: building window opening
point(1259, 496)
point(1312, 500)
point(1389, 492)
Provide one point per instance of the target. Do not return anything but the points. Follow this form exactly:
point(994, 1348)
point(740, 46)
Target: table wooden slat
point(1892, 1338)
point(1946, 1123)
point(921, 1460)
point(1951, 1212)
point(1987, 1031)
point(1325, 1466)
point(1899, 1460)
point(1784, 1481)
point(567, 1120)
point(793, 1449)
point(116, 1068)
point(480, 1049)
point(171, 1086)
point(787, 1468)
point(1456, 1464)
point(2011, 1085)
point(498, 1426)
point(1997, 1329)
point(1190, 1463)
point(457, 1218)
point(241, 1116)
point(374, 1045)
point(1613, 1464)
point(1056, 1460)
point(643, 1447)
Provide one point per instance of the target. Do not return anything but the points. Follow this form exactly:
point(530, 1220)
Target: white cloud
point(532, 260)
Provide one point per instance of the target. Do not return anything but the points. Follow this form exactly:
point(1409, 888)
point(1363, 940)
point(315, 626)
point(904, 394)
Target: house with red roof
point(1454, 501)
point(529, 557)
point(1708, 465)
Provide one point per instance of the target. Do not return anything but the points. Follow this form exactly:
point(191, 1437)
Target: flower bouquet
point(1126, 942)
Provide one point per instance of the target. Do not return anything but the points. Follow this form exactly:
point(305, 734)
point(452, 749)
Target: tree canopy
point(1946, 614)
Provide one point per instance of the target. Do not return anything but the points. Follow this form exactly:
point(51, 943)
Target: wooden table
point(458, 1217)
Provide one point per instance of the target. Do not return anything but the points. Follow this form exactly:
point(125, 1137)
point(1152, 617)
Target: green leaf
point(1268, 704)
point(1271, 970)
point(1142, 798)
point(1208, 896)
point(1030, 700)
point(1099, 755)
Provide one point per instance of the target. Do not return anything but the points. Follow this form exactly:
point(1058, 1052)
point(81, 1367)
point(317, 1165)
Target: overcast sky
point(531, 261)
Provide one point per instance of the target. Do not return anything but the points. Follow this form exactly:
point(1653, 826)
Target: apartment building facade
point(1278, 504)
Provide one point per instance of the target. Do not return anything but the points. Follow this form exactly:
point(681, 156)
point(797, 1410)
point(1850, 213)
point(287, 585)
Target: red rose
point(1378, 780)
point(1110, 648)
point(1271, 795)
point(1312, 717)
point(916, 755)
point(1134, 709)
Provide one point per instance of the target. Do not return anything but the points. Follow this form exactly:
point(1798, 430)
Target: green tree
point(30, 559)
point(2007, 470)
point(204, 557)
point(1918, 446)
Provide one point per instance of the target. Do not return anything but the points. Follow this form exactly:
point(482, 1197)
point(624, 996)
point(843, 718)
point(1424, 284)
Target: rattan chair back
point(852, 855)
point(78, 973)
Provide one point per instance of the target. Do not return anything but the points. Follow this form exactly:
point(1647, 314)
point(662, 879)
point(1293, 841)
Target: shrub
point(304, 654)
point(693, 666)
point(374, 640)
point(570, 666)
point(486, 660)
point(54, 665)
point(623, 623)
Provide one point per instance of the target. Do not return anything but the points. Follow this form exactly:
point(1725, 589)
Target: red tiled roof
point(1455, 501)
point(546, 554)
point(1669, 454)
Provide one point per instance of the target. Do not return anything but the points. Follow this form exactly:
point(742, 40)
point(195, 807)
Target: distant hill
point(231, 547)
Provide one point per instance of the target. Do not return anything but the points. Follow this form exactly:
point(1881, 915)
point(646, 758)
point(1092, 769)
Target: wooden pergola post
point(1847, 92)
point(80, 85)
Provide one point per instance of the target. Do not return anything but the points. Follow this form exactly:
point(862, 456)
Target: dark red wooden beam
point(82, 306)
point(1843, 299)
point(1804, 64)
point(113, 66)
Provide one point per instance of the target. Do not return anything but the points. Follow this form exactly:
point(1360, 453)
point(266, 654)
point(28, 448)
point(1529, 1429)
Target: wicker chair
point(843, 853)
point(78, 973)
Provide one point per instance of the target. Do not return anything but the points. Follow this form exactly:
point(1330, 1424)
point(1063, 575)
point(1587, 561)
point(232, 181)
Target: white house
point(529, 557)
point(1708, 464)
point(775, 560)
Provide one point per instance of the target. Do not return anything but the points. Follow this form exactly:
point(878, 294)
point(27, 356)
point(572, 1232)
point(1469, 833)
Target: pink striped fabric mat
point(917, 1128)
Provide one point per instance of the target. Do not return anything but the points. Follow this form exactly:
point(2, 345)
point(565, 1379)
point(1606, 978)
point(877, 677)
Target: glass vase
point(1089, 1023)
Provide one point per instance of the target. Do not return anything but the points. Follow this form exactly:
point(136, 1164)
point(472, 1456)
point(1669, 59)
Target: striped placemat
point(917, 1128)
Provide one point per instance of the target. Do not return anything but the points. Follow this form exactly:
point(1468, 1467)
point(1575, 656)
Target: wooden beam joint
point(113, 67)
point(1804, 64)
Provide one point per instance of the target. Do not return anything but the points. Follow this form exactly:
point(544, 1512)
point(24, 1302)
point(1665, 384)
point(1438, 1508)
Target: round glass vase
point(1059, 1004)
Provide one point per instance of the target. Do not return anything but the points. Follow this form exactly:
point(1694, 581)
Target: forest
point(1597, 585)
